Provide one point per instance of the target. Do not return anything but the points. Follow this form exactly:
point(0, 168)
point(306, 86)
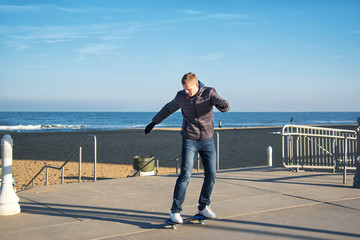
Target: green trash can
point(144, 164)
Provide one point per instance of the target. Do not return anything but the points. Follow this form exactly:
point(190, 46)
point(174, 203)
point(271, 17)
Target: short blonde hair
point(189, 77)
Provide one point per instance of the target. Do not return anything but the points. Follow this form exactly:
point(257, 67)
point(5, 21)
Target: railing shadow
point(142, 219)
point(154, 220)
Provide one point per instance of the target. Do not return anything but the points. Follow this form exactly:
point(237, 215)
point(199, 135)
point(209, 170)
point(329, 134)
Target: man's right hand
point(149, 127)
point(222, 104)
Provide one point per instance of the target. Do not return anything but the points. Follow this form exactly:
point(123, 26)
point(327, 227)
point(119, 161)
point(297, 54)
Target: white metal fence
point(319, 148)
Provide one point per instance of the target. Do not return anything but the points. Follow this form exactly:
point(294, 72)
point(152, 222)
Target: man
point(196, 103)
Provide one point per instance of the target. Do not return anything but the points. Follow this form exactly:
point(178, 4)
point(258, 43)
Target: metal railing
point(319, 148)
point(176, 160)
point(78, 150)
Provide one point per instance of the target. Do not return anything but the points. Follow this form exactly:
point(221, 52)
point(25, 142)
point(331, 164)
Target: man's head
point(190, 84)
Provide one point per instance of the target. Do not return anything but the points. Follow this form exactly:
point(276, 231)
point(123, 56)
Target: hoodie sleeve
point(166, 111)
point(215, 98)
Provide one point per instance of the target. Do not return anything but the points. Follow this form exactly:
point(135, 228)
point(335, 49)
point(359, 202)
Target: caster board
point(198, 217)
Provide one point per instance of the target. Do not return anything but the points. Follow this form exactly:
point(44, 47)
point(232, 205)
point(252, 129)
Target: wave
point(41, 127)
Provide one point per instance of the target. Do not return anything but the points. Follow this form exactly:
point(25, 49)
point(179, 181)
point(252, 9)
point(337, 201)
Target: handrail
point(318, 148)
point(78, 150)
point(166, 159)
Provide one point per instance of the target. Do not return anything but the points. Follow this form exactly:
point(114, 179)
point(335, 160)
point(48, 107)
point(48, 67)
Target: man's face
point(191, 88)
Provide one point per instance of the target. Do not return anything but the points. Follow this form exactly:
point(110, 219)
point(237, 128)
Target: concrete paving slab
point(312, 222)
point(30, 218)
point(250, 203)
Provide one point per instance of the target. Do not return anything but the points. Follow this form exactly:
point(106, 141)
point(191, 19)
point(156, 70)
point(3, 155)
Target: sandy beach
point(115, 151)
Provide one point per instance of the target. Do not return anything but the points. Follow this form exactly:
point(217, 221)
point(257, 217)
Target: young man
point(196, 102)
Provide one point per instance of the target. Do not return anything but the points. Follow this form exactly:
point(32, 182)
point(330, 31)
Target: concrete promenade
point(250, 203)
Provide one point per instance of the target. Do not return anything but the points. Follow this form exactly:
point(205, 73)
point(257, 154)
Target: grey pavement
point(250, 203)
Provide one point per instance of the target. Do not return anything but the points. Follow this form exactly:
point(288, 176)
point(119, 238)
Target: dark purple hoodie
point(197, 112)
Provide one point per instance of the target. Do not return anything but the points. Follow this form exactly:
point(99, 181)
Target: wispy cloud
point(211, 56)
point(102, 50)
point(49, 7)
point(215, 15)
point(228, 16)
point(45, 34)
point(191, 12)
point(15, 8)
point(194, 15)
point(23, 8)
point(17, 45)
point(29, 35)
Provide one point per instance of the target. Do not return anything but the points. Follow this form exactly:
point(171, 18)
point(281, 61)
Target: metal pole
point(283, 147)
point(217, 151)
point(47, 176)
point(95, 157)
point(157, 166)
point(80, 158)
point(334, 155)
point(345, 160)
point(62, 175)
point(297, 153)
point(356, 183)
point(177, 165)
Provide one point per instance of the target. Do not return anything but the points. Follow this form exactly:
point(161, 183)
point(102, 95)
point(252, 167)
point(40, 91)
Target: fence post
point(9, 201)
point(345, 158)
point(217, 152)
point(95, 156)
point(80, 159)
point(356, 183)
point(47, 176)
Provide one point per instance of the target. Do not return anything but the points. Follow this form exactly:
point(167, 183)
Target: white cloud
point(211, 57)
point(192, 12)
point(200, 15)
point(227, 16)
point(224, 16)
point(21, 37)
point(101, 50)
point(14, 8)
point(49, 7)
point(17, 45)
point(23, 8)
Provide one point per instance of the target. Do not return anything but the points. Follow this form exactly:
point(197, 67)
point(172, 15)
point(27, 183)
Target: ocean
point(94, 121)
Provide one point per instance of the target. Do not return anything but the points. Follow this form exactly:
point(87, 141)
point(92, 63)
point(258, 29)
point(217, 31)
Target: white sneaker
point(206, 212)
point(176, 217)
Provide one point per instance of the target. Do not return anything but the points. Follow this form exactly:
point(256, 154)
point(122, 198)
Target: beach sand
point(116, 149)
point(24, 170)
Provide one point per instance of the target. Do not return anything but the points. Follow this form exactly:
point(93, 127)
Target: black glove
point(149, 127)
point(222, 104)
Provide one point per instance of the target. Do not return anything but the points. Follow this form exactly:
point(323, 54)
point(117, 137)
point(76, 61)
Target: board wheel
point(202, 221)
point(174, 226)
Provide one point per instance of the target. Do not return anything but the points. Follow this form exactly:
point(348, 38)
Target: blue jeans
point(190, 149)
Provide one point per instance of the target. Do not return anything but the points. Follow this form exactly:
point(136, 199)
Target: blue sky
point(68, 55)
